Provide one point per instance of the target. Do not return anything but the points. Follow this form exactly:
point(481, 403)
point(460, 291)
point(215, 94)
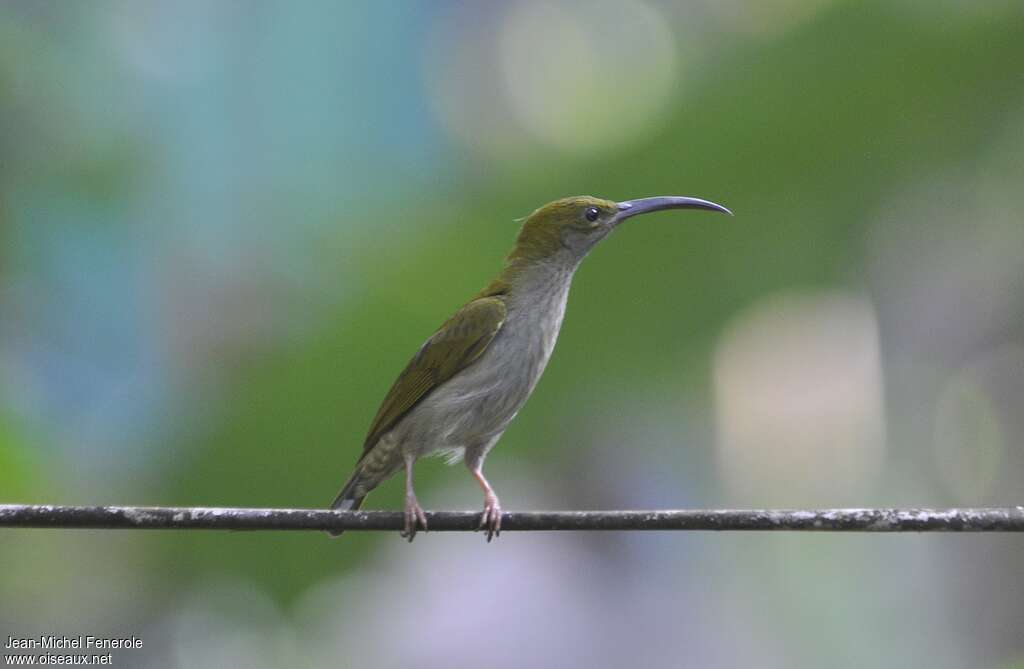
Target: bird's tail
point(347, 499)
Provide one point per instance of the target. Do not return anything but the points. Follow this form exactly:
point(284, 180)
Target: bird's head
point(570, 227)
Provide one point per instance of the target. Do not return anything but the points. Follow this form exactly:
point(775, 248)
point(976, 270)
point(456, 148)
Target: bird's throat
point(525, 279)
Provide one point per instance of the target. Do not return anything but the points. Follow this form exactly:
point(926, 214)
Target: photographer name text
point(82, 641)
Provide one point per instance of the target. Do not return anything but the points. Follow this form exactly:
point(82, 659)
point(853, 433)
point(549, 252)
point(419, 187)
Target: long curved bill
point(646, 205)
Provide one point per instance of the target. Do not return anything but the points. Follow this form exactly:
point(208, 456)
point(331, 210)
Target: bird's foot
point(491, 517)
point(413, 516)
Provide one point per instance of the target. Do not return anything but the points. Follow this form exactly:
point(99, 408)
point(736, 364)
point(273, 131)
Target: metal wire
point(1001, 519)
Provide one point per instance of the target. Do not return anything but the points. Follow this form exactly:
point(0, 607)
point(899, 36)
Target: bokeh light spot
point(584, 76)
point(575, 77)
point(798, 400)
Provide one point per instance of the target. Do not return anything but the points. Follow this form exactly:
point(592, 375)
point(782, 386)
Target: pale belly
point(473, 409)
point(476, 406)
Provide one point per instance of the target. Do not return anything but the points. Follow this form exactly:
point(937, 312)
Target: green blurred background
point(225, 227)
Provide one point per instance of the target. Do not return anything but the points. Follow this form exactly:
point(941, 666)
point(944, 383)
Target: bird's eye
point(591, 214)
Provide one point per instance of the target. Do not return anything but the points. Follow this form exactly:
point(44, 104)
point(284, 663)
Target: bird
point(460, 391)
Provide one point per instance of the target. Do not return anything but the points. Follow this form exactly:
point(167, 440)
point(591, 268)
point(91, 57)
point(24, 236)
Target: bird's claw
point(490, 520)
point(414, 516)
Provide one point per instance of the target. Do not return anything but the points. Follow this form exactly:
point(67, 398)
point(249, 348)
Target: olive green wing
point(455, 346)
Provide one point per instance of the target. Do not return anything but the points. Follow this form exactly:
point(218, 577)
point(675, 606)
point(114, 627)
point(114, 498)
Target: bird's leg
point(413, 511)
point(491, 518)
